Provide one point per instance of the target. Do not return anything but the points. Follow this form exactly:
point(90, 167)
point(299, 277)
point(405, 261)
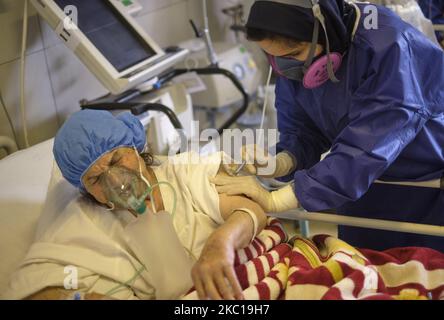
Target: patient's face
point(122, 157)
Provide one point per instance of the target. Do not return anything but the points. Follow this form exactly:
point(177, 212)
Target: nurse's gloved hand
point(260, 163)
point(257, 160)
point(247, 186)
point(276, 201)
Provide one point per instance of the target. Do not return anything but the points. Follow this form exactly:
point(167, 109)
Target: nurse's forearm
point(283, 200)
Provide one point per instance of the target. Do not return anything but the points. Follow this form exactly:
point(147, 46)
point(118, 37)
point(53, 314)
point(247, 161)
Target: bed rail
point(387, 225)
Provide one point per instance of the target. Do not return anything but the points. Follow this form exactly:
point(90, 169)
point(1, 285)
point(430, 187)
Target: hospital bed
point(25, 179)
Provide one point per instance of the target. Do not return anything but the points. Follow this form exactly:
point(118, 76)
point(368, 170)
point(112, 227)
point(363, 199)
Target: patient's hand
point(213, 274)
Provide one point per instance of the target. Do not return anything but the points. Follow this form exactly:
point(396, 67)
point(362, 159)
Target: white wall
point(55, 79)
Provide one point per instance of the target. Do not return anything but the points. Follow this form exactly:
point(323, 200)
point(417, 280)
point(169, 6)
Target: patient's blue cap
point(89, 134)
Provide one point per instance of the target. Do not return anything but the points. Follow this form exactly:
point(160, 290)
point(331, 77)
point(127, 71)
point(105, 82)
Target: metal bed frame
point(304, 217)
point(388, 225)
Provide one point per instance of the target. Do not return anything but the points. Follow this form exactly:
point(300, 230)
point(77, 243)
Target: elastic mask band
point(318, 15)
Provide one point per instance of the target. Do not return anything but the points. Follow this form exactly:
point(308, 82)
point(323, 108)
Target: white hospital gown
point(197, 212)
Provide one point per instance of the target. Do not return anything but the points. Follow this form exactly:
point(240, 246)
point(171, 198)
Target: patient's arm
point(216, 263)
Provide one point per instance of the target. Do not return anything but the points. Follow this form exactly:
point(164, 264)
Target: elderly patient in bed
point(97, 247)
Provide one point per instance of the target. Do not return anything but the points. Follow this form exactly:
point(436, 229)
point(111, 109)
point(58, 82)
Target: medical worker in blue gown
point(373, 97)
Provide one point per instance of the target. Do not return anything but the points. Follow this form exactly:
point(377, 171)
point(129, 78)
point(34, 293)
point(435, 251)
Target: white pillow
point(25, 176)
point(60, 193)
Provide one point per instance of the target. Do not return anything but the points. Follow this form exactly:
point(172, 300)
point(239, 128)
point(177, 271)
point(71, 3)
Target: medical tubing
point(261, 131)
point(195, 29)
point(264, 111)
point(139, 272)
point(211, 71)
point(265, 105)
point(137, 109)
point(151, 188)
point(22, 73)
point(173, 214)
point(128, 283)
point(212, 57)
point(174, 196)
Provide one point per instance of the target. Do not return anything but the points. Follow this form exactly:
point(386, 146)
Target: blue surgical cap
point(89, 134)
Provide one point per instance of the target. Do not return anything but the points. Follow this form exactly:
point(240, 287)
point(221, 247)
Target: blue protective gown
point(384, 120)
point(434, 10)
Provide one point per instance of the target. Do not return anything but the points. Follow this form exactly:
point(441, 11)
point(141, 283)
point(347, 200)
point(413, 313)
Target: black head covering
point(298, 23)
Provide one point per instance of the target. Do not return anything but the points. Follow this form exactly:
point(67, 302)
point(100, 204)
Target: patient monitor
point(107, 39)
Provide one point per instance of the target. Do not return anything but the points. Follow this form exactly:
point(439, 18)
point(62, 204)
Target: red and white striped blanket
point(327, 268)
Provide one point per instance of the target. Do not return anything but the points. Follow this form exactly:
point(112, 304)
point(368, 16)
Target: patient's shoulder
point(194, 158)
point(190, 167)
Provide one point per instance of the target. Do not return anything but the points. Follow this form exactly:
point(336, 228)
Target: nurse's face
point(288, 49)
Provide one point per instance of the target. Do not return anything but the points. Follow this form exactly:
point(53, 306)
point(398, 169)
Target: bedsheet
point(326, 268)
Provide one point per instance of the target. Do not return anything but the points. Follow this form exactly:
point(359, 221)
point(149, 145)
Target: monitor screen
point(112, 35)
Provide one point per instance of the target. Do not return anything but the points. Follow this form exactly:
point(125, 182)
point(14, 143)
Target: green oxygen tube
point(139, 204)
